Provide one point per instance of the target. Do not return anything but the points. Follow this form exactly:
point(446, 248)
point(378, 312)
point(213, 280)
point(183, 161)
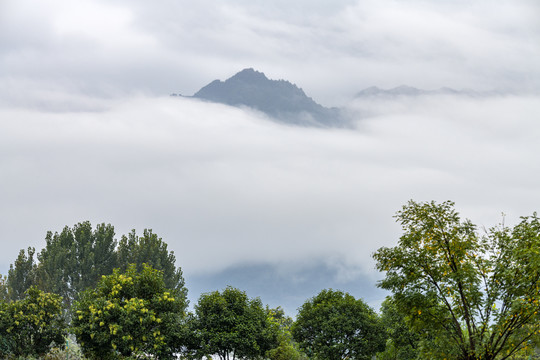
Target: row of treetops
point(457, 293)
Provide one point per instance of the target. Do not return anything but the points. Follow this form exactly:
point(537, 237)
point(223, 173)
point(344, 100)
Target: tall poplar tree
point(76, 258)
point(150, 249)
point(22, 274)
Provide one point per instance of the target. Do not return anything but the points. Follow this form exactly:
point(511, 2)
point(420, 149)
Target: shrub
point(29, 326)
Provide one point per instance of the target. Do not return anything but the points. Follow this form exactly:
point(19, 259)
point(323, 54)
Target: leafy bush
point(129, 313)
point(29, 326)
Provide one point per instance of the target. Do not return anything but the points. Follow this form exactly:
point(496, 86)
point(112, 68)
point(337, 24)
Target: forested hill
point(279, 99)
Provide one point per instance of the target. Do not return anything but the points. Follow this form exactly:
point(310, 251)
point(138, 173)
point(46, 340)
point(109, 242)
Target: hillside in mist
point(279, 99)
point(287, 103)
point(410, 91)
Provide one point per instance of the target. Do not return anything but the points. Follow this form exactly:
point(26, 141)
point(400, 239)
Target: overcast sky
point(332, 49)
point(88, 132)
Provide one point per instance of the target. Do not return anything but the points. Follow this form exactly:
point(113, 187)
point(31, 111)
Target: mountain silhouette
point(279, 99)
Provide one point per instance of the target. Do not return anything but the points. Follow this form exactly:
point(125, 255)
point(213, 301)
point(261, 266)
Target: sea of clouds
point(226, 186)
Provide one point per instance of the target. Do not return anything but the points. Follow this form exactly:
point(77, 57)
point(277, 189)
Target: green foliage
point(22, 274)
point(128, 314)
point(29, 326)
point(402, 342)
point(4, 294)
point(150, 249)
point(74, 259)
point(472, 296)
point(334, 325)
point(287, 348)
point(231, 325)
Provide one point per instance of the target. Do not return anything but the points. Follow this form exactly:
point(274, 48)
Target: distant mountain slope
point(404, 90)
point(278, 98)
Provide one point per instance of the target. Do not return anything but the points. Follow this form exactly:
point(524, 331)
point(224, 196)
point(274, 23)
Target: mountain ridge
point(409, 91)
point(280, 99)
point(287, 103)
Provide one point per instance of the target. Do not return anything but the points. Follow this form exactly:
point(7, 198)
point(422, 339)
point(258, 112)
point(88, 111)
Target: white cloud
point(224, 186)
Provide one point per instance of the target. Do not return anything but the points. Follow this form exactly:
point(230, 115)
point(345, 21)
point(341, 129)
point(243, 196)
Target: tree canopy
point(286, 348)
point(232, 326)
point(130, 313)
point(29, 326)
point(457, 293)
point(21, 275)
point(475, 296)
point(74, 260)
point(334, 325)
point(150, 249)
point(402, 342)
point(4, 294)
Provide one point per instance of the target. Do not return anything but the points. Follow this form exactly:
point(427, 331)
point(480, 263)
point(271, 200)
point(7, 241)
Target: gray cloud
point(332, 50)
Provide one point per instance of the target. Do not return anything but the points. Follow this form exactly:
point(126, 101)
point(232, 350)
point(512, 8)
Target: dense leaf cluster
point(334, 325)
point(129, 313)
point(231, 325)
point(287, 348)
point(29, 326)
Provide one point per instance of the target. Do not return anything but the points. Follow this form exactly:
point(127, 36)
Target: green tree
point(29, 326)
point(232, 326)
point(287, 348)
point(4, 295)
point(76, 258)
point(128, 314)
point(152, 250)
point(334, 325)
point(402, 342)
point(473, 296)
point(22, 274)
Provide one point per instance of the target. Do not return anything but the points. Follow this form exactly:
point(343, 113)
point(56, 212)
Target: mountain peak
point(249, 74)
point(280, 99)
